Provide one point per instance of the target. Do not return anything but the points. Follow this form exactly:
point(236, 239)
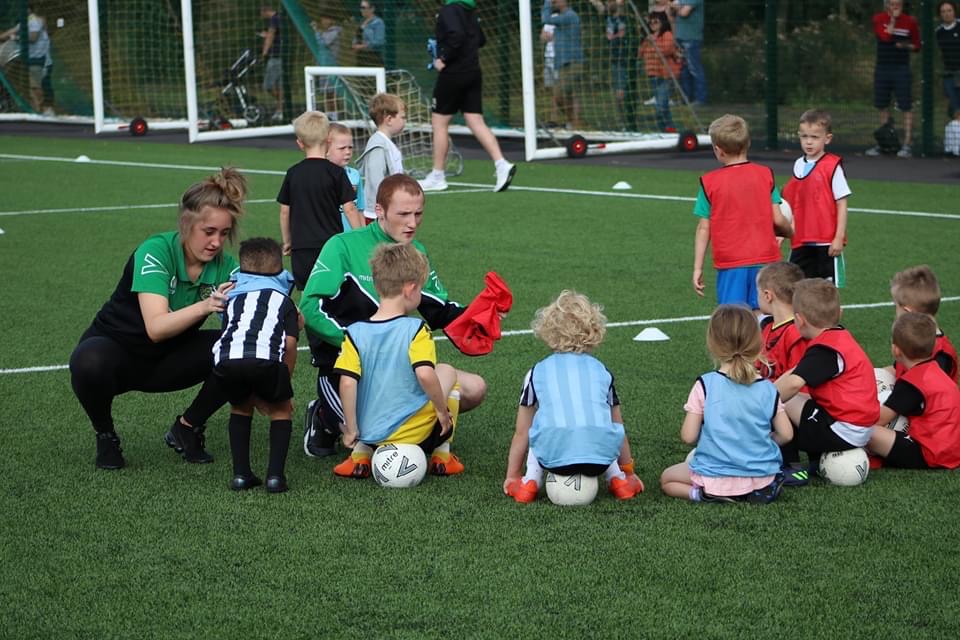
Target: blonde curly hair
point(571, 323)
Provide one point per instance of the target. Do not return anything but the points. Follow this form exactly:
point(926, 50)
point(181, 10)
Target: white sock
point(438, 174)
point(443, 448)
point(614, 471)
point(502, 162)
point(534, 470)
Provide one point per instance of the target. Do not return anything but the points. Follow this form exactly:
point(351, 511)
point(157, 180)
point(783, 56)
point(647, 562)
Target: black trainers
point(109, 452)
point(319, 440)
point(276, 484)
point(242, 482)
point(190, 442)
point(794, 476)
point(709, 497)
point(171, 441)
point(769, 493)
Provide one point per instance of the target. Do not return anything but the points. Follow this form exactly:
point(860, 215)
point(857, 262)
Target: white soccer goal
point(344, 94)
point(587, 141)
point(143, 91)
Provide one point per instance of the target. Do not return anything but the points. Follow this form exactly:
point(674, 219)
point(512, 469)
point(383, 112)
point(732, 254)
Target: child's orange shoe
point(523, 492)
point(876, 462)
point(351, 468)
point(449, 467)
point(626, 488)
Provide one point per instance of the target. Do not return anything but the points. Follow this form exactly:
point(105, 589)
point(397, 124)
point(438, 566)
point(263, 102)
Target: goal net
point(343, 93)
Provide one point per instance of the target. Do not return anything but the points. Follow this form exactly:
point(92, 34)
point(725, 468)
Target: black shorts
point(816, 262)
point(895, 79)
point(268, 380)
point(814, 433)
point(585, 468)
point(905, 454)
point(435, 439)
point(462, 91)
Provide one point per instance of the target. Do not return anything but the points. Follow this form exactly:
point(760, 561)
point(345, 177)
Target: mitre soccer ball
point(399, 466)
point(574, 490)
point(845, 468)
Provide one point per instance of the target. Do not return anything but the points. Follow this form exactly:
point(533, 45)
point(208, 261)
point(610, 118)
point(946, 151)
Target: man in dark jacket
point(459, 87)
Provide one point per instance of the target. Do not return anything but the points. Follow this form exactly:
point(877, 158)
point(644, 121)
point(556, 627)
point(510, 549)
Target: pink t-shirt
point(727, 485)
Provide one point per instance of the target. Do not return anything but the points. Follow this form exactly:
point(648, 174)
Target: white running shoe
point(905, 152)
point(505, 175)
point(872, 152)
point(434, 182)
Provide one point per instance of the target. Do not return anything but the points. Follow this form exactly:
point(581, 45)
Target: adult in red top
point(897, 35)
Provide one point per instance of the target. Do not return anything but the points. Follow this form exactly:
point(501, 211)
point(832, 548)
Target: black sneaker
point(319, 439)
point(769, 493)
point(241, 482)
point(109, 452)
point(191, 442)
point(276, 484)
point(794, 476)
point(171, 441)
point(709, 497)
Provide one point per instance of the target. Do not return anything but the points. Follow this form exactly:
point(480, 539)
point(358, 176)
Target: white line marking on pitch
point(123, 207)
point(525, 332)
point(479, 187)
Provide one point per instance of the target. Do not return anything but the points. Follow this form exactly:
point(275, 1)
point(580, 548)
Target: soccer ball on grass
point(570, 491)
point(399, 466)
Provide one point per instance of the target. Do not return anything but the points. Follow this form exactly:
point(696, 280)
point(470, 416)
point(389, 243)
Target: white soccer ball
point(885, 382)
point(569, 491)
point(690, 455)
point(399, 466)
point(786, 210)
point(845, 468)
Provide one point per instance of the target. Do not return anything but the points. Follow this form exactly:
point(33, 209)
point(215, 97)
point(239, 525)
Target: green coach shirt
point(157, 266)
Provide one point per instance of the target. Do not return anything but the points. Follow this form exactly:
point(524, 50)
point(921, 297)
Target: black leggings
point(101, 369)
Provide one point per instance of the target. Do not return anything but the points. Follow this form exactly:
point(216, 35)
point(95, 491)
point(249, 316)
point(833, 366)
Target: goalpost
point(569, 142)
point(142, 86)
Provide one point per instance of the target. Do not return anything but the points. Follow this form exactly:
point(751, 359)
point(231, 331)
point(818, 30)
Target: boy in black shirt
point(310, 198)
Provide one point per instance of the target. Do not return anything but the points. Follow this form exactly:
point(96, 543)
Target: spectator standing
point(371, 38)
point(270, 51)
point(948, 39)
point(568, 57)
point(897, 35)
point(615, 31)
point(39, 61)
point(550, 72)
point(688, 31)
point(327, 32)
point(659, 58)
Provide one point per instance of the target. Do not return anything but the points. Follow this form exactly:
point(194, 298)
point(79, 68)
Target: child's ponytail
point(733, 337)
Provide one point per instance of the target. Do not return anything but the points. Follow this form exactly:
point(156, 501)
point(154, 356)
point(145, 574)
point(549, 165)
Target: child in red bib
point(817, 192)
point(739, 214)
point(783, 346)
point(926, 395)
point(842, 406)
point(917, 289)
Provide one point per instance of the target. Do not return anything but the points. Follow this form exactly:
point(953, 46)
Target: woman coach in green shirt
point(147, 336)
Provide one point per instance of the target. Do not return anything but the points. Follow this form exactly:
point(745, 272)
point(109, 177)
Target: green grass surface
point(164, 549)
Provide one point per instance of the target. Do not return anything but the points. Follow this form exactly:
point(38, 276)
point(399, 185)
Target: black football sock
point(239, 429)
point(280, 431)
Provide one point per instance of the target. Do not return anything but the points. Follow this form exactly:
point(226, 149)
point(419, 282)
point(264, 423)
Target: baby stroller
point(234, 99)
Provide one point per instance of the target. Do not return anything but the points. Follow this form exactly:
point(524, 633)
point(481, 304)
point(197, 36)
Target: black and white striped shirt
point(256, 325)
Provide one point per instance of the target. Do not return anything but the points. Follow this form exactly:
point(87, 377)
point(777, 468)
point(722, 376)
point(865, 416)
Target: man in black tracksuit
point(459, 87)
